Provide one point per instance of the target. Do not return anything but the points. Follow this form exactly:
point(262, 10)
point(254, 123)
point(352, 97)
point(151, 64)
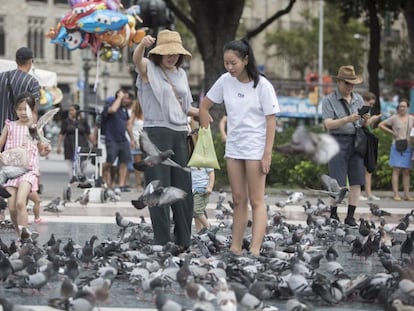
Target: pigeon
point(82, 301)
point(55, 206)
point(9, 172)
point(376, 211)
point(225, 297)
point(36, 130)
point(8, 306)
point(68, 288)
point(332, 188)
point(320, 148)
point(294, 198)
point(153, 160)
point(156, 195)
point(84, 199)
point(294, 304)
point(153, 155)
point(122, 221)
point(165, 304)
point(399, 306)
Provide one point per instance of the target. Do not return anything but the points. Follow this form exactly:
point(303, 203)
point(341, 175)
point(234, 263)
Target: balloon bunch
point(102, 25)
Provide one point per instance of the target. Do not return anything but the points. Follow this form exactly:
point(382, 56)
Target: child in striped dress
point(15, 134)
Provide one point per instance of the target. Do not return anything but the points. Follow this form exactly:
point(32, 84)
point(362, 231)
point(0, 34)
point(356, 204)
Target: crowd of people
point(162, 108)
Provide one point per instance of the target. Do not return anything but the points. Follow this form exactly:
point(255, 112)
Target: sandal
point(396, 198)
point(409, 198)
point(40, 221)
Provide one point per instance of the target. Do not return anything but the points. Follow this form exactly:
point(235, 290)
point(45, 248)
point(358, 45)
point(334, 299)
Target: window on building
point(2, 37)
point(36, 36)
point(61, 1)
point(36, 1)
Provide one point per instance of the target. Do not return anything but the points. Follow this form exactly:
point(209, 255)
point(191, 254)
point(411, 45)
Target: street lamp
point(86, 67)
point(105, 80)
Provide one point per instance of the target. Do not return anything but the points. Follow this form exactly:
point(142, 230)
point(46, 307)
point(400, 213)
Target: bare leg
point(406, 181)
point(138, 174)
point(368, 183)
point(122, 174)
point(12, 208)
point(395, 179)
point(256, 186)
point(354, 193)
point(107, 174)
point(201, 222)
point(35, 198)
point(236, 171)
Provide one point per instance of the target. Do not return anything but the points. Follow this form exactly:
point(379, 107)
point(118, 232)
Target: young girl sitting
point(15, 134)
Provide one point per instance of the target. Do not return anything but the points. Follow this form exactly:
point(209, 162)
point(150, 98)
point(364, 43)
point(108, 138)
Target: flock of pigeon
point(321, 263)
point(301, 267)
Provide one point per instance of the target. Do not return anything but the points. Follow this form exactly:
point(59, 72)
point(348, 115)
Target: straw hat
point(347, 73)
point(169, 43)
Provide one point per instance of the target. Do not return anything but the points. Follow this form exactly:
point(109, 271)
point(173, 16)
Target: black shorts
point(118, 150)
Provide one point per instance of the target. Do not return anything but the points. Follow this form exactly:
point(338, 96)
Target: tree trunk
point(408, 12)
point(374, 53)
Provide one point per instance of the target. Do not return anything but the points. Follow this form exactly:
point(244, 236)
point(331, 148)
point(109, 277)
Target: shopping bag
point(204, 154)
point(15, 157)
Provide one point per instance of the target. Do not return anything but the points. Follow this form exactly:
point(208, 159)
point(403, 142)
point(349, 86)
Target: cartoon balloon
point(80, 10)
point(102, 20)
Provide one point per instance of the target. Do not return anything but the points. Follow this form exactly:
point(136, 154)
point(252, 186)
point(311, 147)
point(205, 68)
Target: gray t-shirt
point(158, 100)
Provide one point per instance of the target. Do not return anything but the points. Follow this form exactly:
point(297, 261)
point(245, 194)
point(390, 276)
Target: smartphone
point(363, 110)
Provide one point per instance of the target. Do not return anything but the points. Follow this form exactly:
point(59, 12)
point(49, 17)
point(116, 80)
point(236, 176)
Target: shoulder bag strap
point(10, 88)
point(173, 88)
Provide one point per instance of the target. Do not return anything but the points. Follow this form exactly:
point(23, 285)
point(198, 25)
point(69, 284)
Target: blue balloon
point(102, 20)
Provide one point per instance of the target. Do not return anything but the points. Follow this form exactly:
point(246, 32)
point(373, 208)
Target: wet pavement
point(80, 223)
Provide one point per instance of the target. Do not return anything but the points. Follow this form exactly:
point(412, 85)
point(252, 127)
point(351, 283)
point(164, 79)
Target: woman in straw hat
point(165, 97)
point(251, 105)
point(340, 111)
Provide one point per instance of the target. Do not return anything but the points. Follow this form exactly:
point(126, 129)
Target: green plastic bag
point(204, 154)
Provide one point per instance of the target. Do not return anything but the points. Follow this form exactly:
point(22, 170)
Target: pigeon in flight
point(332, 188)
point(9, 172)
point(156, 195)
point(153, 155)
point(319, 148)
point(36, 130)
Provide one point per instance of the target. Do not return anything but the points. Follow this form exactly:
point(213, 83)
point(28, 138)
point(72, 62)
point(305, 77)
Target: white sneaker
point(362, 198)
point(374, 198)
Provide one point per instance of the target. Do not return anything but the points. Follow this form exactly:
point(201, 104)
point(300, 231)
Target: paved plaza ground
point(80, 223)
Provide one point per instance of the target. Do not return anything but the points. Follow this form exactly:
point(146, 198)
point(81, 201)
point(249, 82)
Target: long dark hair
point(243, 49)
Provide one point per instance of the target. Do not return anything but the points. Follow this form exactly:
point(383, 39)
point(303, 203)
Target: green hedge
point(296, 171)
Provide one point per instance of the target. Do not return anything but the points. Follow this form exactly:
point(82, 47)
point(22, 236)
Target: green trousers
point(182, 211)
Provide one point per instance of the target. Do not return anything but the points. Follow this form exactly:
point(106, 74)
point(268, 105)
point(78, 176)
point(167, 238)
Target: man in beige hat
point(166, 99)
point(340, 113)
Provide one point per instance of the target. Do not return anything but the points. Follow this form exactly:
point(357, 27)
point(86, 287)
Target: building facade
point(84, 79)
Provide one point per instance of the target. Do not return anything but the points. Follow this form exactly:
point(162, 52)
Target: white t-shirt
point(247, 108)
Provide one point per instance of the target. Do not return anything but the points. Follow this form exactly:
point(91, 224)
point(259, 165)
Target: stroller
point(94, 185)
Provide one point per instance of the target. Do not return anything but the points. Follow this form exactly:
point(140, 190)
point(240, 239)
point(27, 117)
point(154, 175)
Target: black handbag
point(371, 155)
point(360, 143)
point(401, 145)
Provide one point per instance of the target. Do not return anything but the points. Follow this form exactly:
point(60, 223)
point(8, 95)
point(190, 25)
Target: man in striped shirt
point(15, 82)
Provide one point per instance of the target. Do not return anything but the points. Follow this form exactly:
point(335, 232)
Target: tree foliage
point(373, 12)
point(214, 23)
point(342, 43)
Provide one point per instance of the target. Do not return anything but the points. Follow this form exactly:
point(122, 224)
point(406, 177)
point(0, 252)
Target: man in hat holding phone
point(341, 115)
point(15, 82)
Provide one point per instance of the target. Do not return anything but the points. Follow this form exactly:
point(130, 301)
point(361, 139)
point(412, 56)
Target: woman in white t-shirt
point(251, 105)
